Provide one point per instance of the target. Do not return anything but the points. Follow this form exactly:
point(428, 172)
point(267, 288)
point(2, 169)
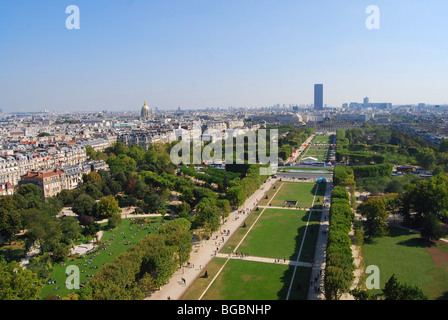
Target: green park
point(274, 234)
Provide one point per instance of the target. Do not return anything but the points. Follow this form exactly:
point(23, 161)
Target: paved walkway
point(204, 251)
point(302, 148)
point(317, 275)
point(265, 260)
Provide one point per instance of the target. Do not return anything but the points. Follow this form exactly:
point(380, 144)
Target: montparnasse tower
point(146, 113)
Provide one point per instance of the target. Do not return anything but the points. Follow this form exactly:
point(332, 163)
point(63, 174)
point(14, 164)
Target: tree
point(426, 158)
point(10, 218)
point(17, 283)
point(210, 219)
point(91, 229)
point(70, 228)
point(114, 220)
point(154, 203)
point(394, 290)
point(66, 196)
point(179, 237)
point(335, 283)
point(60, 254)
point(375, 212)
point(84, 205)
point(443, 147)
point(224, 205)
point(147, 284)
point(360, 294)
point(42, 230)
point(107, 207)
point(183, 210)
point(85, 220)
point(236, 196)
point(91, 176)
point(431, 228)
point(32, 194)
point(91, 153)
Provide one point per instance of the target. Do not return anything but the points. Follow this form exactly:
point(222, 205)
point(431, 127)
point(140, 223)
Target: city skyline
point(217, 55)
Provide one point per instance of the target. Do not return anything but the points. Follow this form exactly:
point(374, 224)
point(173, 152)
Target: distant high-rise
point(318, 97)
point(366, 101)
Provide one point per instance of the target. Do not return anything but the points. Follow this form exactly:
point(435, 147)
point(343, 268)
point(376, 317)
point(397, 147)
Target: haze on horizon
point(204, 53)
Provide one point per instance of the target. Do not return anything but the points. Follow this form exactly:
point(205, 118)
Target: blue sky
point(210, 53)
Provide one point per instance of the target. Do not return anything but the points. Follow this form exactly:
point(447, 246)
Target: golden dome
point(145, 113)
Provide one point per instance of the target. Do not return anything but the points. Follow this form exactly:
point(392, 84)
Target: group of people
point(278, 260)
point(315, 284)
point(241, 254)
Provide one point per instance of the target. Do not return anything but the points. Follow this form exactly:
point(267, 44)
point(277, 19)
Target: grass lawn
point(405, 255)
point(13, 251)
point(201, 283)
point(247, 280)
point(270, 194)
point(117, 246)
point(239, 234)
point(302, 192)
point(278, 234)
point(318, 152)
point(321, 139)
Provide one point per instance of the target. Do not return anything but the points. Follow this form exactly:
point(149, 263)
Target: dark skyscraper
point(318, 97)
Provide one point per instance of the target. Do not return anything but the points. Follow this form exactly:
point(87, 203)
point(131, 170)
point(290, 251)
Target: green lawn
point(117, 246)
point(405, 255)
point(321, 139)
point(302, 192)
point(318, 152)
point(278, 234)
point(247, 280)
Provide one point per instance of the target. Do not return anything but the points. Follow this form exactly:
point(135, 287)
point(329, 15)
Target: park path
point(315, 291)
point(316, 288)
point(265, 260)
point(204, 251)
point(302, 148)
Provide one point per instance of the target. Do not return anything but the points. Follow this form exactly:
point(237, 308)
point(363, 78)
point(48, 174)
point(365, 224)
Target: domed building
point(146, 113)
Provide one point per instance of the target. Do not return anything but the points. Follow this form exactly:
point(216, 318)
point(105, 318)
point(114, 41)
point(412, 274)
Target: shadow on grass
point(299, 289)
point(398, 232)
point(416, 243)
point(321, 191)
point(444, 296)
point(302, 277)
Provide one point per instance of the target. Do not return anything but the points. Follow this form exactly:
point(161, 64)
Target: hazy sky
point(211, 53)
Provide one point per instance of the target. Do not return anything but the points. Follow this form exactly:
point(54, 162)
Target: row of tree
point(339, 261)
